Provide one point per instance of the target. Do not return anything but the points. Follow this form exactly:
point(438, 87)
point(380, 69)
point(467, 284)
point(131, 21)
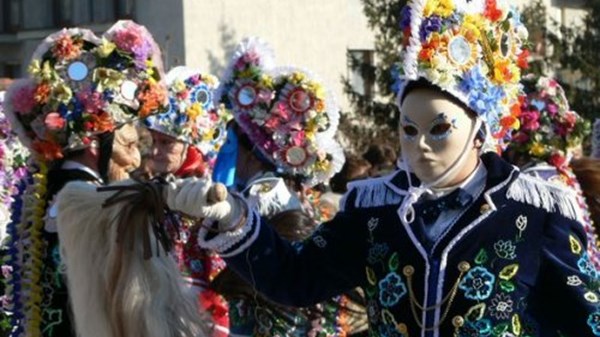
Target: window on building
point(125, 9)
point(39, 14)
point(10, 15)
point(568, 3)
point(10, 70)
point(360, 61)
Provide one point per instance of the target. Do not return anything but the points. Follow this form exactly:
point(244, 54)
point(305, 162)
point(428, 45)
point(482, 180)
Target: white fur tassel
point(414, 42)
point(545, 195)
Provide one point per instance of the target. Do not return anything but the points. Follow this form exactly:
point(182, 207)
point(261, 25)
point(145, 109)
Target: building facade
point(317, 35)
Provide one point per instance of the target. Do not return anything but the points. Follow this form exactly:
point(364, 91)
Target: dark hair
point(354, 168)
point(587, 171)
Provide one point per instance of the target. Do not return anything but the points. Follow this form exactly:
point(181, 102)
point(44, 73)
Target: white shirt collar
point(73, 165)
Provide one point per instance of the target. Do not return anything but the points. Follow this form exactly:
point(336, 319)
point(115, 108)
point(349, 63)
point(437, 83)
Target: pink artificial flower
point(91, 100)
point(129, 39)
point(54, 121)
point(298, 137)
point(23, 101)
point(552, 109)
point(530, 120)
point(265, 96)
point(251, 57)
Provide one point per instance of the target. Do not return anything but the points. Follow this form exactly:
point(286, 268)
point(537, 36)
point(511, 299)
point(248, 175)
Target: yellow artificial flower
point(506, 72)
point(266, 81)
point(107, 78)
point(317, 89)
point(537, 149)
point(210, 80)
point(105, 48)
point(297, 77)
point(179, 86)
point(445, 8)
point(43, 72)
point(208, 135)
point(62, 93)
point(442, 8)
point(194, 111)
point(246, 73)
point(471, 27)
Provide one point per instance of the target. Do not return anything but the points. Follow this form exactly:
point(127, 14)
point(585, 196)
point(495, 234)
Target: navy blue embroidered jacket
point(514, 264)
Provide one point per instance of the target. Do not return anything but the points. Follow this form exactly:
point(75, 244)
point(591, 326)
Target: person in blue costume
point(457, 242)
point(280, 143)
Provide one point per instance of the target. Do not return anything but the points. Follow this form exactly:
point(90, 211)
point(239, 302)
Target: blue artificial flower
point(405, 15)
point(478, 283)
point(430, 25)
point(391, 289)
point(474, 80)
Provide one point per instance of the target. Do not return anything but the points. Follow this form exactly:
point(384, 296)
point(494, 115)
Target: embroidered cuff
point(228, 244)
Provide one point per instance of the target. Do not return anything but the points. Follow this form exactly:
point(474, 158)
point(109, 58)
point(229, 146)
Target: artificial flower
point(106, 48)
point(66, 48)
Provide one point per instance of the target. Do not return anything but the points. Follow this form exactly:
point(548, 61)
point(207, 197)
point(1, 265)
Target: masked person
point(74, 114)
point(280, 144)
point(458, 242)
point(550, 137)
point(185, 142)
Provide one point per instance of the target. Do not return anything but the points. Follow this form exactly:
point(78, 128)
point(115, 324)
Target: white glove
point(191, 196)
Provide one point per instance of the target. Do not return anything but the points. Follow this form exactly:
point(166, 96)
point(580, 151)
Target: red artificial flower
point(47, 150)
point(557, 160)
point(491, 11)
point(523, 59)
point(54, 121)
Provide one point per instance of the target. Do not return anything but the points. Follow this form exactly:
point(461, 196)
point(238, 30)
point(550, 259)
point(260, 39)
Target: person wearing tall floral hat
point(550, 136)
point(455, 243)
point(74, 113)
point(13, 168)
point(280, 143)
point(185, 141)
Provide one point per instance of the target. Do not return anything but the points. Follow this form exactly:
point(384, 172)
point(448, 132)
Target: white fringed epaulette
point(373, 192)
point(542, 194)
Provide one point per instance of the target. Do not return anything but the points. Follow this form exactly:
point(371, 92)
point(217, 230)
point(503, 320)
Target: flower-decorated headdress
point(470, 48)
point(192, 116)
point(285, 112)
point(81, 85)
point(550, 130)
point(13, 167)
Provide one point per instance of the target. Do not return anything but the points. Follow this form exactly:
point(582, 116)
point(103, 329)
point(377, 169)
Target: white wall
point(313, 34)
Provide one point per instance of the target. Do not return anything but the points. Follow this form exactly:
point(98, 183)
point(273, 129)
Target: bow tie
point(430, 210)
